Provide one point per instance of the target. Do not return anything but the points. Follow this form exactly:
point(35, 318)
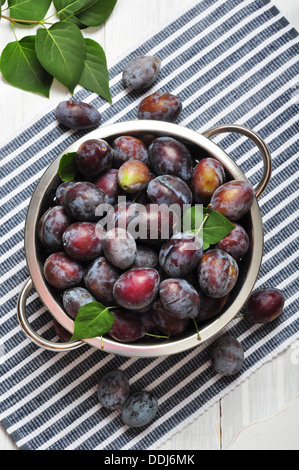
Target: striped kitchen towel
point(231, 61)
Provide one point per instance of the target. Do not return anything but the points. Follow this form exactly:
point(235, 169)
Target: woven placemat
point(231, 61)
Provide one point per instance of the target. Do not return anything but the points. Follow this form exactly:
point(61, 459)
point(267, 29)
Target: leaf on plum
point(61, 51)
point(93, 319)
point(21, 68)
point(28, 10)
point(67, 167)
point(215, 227)
point(95, 75)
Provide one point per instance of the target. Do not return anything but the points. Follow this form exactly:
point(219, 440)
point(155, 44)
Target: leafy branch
point(59, 51)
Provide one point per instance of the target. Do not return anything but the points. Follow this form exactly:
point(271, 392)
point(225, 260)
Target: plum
point(207, 176)
point(120, 248)
point(264, 305)
point(126, 148)
point(236, 243)
point(94, 157)
point(107, 182)
point(166, 323)
point(160, 106)
point(100, 277)
point(82, 200)
point(169, 189)
point(179, 298)
point(133, 176)
point(113, 389)
point(233, 199)
point(141, 72)
point(74, 298)
point(136, 288)
point(83, 240)
point(210, 307)
point(127, 326)
point(227, 355)
point(51, 227)
point(217, 273)
point(168, 156)
point(181, 254)
point(77, 115)
point(146, 257)
point(139, 409)
point(62, 272)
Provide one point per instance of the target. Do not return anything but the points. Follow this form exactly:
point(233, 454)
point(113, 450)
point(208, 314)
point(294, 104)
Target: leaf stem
point(204, 221)
point(16, 20)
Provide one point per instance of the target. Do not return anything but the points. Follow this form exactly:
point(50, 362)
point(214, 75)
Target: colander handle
point(39, 340)
point(261, 186)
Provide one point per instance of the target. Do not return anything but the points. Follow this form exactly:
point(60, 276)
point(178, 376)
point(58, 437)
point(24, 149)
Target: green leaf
point(67, 167)
point(95, 75)
point(34, 10)
point(20, 67)
point(93, 319)
point(215, 227)
point(97, 13)
point(67, 8)
point(61, 51)
point(1, 3)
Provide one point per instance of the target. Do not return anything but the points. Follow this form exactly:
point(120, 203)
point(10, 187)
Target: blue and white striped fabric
point(231, 61)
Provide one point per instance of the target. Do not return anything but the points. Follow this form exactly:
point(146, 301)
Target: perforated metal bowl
point(200, 145)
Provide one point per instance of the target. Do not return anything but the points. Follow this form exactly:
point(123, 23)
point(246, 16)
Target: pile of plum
point(158, 284)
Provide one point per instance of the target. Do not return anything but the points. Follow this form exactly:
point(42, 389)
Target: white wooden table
point(261, 413)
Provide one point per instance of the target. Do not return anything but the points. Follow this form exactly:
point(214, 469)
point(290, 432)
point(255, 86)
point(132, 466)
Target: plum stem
point(197, 330)
point(157, 336)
